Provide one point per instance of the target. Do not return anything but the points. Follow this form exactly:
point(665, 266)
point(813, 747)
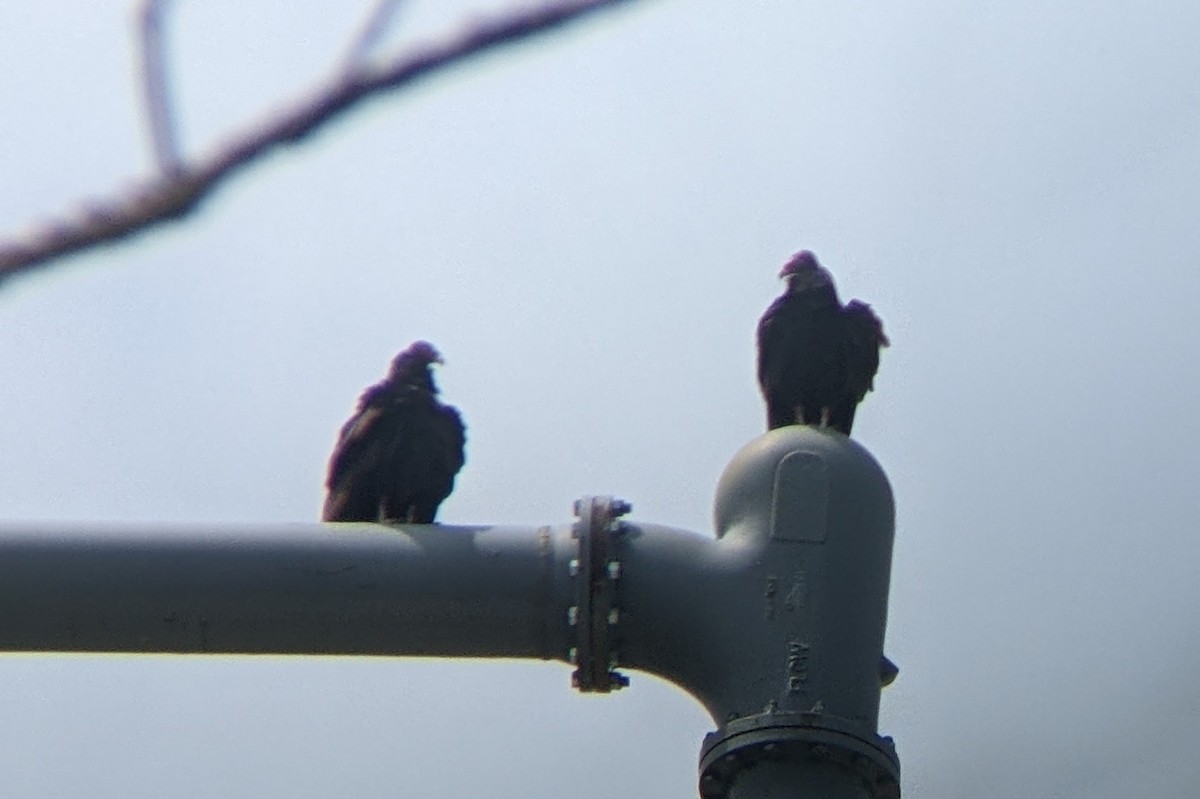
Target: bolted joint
point(594, 617)
point(859, 754)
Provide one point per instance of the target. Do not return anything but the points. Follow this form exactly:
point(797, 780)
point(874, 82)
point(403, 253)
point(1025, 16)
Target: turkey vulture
point(397, 456)
point(816, 358)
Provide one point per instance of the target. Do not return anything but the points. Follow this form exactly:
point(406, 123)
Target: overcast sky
point(1013, 186)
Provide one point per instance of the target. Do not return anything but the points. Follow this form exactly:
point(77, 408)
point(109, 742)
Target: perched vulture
point(816, 358)
point(397, 456)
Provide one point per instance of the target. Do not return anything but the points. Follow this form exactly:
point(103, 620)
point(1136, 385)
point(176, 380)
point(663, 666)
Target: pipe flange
point(595, 616)
point(796, 737)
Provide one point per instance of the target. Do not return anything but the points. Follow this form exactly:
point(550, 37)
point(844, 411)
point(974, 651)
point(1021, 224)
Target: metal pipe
point(284, 589)
point(776, 625)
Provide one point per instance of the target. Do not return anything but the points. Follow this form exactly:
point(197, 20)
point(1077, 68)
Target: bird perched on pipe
point(817, 359)
point(397, 456)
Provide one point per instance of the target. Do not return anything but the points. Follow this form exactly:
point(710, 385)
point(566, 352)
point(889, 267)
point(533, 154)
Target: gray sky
point(1013, 186)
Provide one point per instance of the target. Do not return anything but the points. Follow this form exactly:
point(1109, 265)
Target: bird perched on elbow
point(817, 359)
point(397, 456)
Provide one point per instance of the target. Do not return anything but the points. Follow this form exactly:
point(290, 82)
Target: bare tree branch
point(372, 31)
point(154, 84)
point(175, 194)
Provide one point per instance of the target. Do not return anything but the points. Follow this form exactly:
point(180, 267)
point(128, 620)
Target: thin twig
point(174, 195)
point(371, 33)
point(154, 83)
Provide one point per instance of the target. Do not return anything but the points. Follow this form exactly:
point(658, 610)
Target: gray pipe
point(284, 589)
point(776, 625)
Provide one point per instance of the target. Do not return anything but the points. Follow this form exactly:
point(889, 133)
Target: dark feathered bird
point(397, 457)
point(816, 358)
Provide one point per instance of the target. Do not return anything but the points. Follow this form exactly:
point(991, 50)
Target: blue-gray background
point(1014, 186)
